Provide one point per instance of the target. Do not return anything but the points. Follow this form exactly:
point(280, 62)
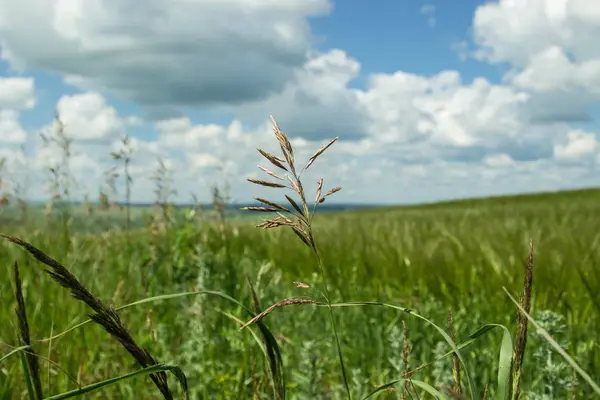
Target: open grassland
point(389, 303)
point(431, 259)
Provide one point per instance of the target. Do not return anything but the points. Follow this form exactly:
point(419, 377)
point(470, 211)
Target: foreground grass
point(430, 259)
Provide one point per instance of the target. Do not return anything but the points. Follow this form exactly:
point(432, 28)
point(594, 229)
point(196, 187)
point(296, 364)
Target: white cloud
point(498, 160)
point(11, 131)
point(317, 97)
point(429, 11)
point(17, 93)
point(550, 47)
point(165, 53)
point(578, 144)
point(87, 116)
point(403, 136)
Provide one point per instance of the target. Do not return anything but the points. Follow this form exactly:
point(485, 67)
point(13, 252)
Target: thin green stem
point(331, 319)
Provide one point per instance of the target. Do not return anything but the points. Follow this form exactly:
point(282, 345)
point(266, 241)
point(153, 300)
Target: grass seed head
point(266, 183)
point(279, 304)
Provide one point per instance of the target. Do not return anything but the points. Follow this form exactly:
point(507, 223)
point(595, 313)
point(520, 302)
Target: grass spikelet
point(276, 161)
point(319, 152)
point(104, 315)
point(455, 360)
point(270, 173)
point(521, 339)
point(266, 183)
point(295, 205)
point(273, 204)
point(32, 371)
point(279, 304)
point(319, 189)
point(260, 209)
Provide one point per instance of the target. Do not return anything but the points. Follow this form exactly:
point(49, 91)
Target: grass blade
point(472, 389)
point(505, 358)
point(103, 384)
point(152, 299)
point(13, 352)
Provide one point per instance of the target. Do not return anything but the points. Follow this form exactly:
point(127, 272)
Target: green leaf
point(146, 371)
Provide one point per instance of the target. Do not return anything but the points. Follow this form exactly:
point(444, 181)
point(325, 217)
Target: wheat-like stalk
point(104, 315)
point(522, 322)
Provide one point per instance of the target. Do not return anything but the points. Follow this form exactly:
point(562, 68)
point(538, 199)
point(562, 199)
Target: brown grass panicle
point(105, 315)
point(299, 216)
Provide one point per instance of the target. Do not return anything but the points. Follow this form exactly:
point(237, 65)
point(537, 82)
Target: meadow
point(205, 273)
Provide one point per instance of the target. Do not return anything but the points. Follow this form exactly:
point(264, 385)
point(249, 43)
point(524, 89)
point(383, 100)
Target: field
point(455, 256)
point(393, 302)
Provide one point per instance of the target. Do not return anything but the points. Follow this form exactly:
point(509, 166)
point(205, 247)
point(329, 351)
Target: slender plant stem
point(128, 201)
point(331, 319)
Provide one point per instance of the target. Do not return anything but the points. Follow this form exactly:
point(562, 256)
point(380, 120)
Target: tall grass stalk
point(124, 155)
point(301, 222)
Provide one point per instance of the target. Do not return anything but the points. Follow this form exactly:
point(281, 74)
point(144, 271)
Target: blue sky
point(390, 35)
point(430, 99)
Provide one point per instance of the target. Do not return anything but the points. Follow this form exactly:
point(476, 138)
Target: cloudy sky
point(430, 99)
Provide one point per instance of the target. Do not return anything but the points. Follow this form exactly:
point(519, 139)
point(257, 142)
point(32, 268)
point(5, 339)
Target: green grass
point(429, 258)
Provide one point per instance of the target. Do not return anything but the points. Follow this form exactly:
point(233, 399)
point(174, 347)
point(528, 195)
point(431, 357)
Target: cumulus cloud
point(578, 144)
point(11, 131)
point(198, 52)
point(403, 136)
point(550, 48)
point(17, 93)
point(88, 117)
point(318, 101)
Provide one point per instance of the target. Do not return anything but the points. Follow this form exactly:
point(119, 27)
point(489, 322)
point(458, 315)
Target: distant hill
point(559, 195)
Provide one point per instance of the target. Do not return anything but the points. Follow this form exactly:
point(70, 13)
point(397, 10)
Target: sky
point(430, 100)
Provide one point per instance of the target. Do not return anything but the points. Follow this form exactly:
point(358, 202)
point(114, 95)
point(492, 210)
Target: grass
point(379, 327)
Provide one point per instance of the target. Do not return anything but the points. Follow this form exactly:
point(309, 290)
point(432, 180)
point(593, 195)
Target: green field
point(434, 258)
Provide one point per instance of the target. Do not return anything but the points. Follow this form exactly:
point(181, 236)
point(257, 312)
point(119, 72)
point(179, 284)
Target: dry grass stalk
point(522, 322)
point(455, 360)
point(24, 337)
point(124, 154)
point(279, 304)
point(104, 315)
point(299, 221)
